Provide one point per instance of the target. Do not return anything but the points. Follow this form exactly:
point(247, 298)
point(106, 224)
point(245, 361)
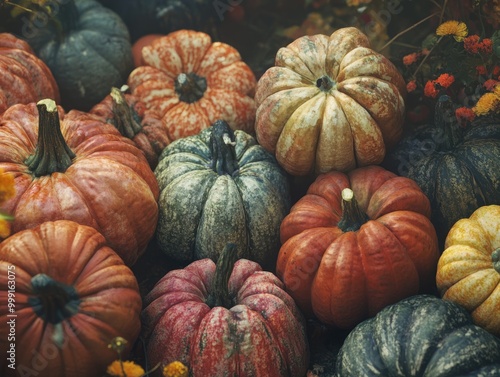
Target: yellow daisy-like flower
point(489, 102)
point(175, 369)
point(455, 28)
point(130, 368)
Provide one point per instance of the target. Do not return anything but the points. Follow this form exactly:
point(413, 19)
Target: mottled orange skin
point(110, 302)
point(343, 277)
point(24, 78)
point(313, 130)
point(109, 184)
point(230, 83)
point(261, 335)
point(466, 272)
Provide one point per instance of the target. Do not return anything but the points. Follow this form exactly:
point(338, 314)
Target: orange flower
point(430, 89)
point(445, 80)
point(481, 70)
point(486, 46)
point(455, 28)
point(471, 44)
point(411, 86)
point(496, 71)
point(490, 84)
point(130, 368)
point(464, 115)
point(175, 369)
point(410, 58)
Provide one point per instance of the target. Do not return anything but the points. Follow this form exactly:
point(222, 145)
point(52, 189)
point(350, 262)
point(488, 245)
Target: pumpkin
point(419, 336)
point(226, 319)
point(217, 187)
point(129, 116)
point(192, 82)
point(355, 243)
point(458, 169)
point(88, 49)
point(66, 295)
point(163, 16)
point(24, 77)
point(139, 44)
point(73, 166)
point(329, 103)
point(468, 271)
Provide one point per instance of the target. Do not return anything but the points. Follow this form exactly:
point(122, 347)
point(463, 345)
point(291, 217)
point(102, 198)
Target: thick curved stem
point(352, 216)
point(222, 142)
point(190, 87)
point(52, 154)
point(219, 293)
point(124, 118)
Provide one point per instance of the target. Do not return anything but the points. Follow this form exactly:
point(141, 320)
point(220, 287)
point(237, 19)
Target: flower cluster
point(454, 62)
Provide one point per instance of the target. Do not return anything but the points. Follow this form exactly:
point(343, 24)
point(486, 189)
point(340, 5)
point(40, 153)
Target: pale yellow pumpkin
point(329, 103)
point(468, 271)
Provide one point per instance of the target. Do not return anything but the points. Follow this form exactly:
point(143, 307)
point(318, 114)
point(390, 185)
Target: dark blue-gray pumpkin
point(216, 187)
point(419, 336)
point(87, 47)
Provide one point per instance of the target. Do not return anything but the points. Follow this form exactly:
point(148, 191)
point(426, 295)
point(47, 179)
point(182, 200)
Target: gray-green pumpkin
point(216, 187)
point(421, 336)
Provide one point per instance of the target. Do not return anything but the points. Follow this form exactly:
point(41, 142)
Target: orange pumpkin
point(24, 78)
point(356, 243)
point(329, 103)
point(468, 271)
point(191, 82)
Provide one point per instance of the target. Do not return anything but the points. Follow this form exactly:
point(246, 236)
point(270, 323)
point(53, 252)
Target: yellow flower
point(455, 28)
point(489, 102)
point(130, 368)
point(175, 369)
point(7, 189)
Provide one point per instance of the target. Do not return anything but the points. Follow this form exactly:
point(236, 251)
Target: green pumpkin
point(457, 168)
point(86, 46)
point(217, 187)
point(419, 336)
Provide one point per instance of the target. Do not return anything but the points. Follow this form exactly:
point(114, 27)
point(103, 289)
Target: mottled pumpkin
point(468, 271)
point(419, 336)
point(71, 294)
point(74, 166)
point(329, 103)
point(217, 187)
point(355, 243)
point(192, 82)
point(229, 319)
point(24, 77)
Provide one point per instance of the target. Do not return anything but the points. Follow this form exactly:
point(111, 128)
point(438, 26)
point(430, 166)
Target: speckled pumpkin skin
point(468, 271)
point(330, 103)
point(419, 336)
point(201, 211)
point(262, 335)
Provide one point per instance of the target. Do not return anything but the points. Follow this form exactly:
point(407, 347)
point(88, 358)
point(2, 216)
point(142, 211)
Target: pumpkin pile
point(178, 213)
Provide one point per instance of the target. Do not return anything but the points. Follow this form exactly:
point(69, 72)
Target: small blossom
point(486, 46)
point(471, 44)
point(130, 368)
point(455, 28)
point(464, 115)
point(489, 102)
point(411, 86)
point(445, 80)
point(430, 89)
point(175, 369)
point(490, 84)
point(481, 70)
point(495, 72)
point(410, 58)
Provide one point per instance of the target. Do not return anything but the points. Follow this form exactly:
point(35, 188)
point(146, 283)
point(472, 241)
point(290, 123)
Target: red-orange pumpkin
point(344, 258)
point(66, 295)
point(24, 78)
point(225, 321)
point(74, 166)
point(192, 82)
point(129, 116)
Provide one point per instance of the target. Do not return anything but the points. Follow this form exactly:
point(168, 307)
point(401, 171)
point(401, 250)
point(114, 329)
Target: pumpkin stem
point(52, 154)
point(445, 119)
point(219, 294)
point(125, 118)
point(325, 83)
point(53, 301)
point(495, 258)
point(190, 87)
point(222, 145)
point(352, 216)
